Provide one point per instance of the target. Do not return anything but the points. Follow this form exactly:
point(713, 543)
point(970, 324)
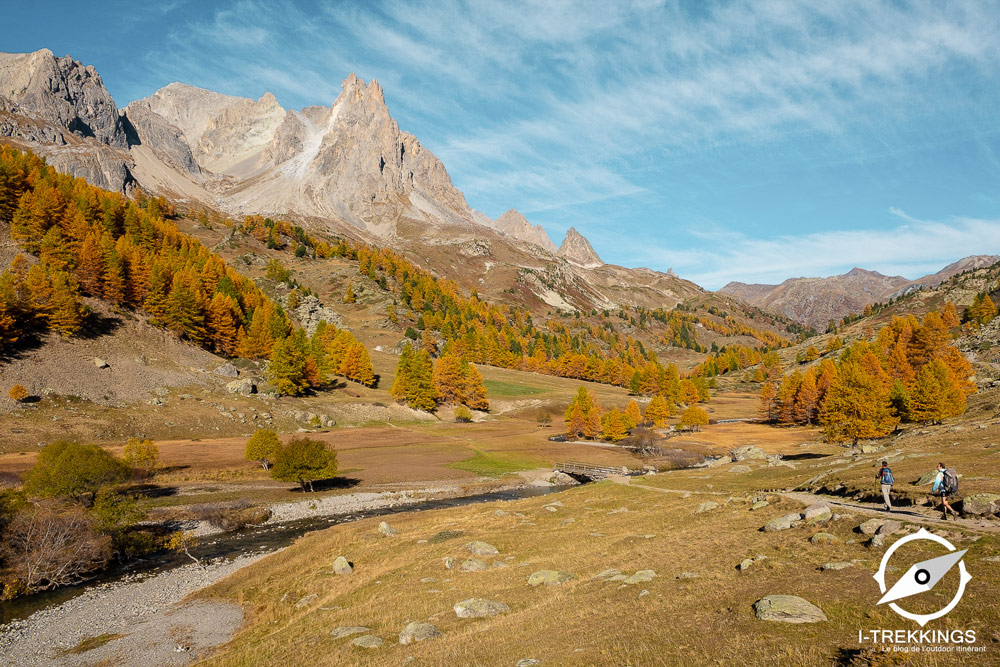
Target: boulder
point(817, 511)
point(418, 632)
point(549, 578)
point(473, 565)
point(889, 527)
point(347, 630)
point(705, 507)
point(788, 609)
point(926, 478)
point(759, 505)
point(870, 527)
point(449, 563)
point(479, 608)
point(479, 548)
point(100, 363)
point(781, 523)
point(387, 530)
point(748, 452)
point(641, 577)
point(559, 478)
point(834, 566)
point(981, 504)
point(367, 641)
point(869, 449)
point(739, 470)
point(823, 538)
point(243, 386)
point(877, 541)
point(342, 566)
point(745, 564)
point(227, 371)
point(607, 573)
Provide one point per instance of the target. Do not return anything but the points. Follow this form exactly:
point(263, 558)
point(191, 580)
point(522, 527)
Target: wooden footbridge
point(591, 471)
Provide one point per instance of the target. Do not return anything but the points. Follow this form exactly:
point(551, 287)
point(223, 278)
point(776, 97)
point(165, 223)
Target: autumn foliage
point(909, 372)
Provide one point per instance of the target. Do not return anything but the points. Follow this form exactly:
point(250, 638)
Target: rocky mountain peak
point(514, 224)
point(577, 250)
point(63, 92)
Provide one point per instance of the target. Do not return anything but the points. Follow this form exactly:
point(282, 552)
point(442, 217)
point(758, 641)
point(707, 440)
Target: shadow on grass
point(151, 490)
point(805, 456)
point(330, 484)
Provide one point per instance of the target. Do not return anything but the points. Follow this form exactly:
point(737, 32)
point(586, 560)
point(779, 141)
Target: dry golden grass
point(707, 620)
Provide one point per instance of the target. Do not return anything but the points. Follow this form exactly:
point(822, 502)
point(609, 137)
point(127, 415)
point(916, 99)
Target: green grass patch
point(90, 643)
point(496, 464)
point(500, 389)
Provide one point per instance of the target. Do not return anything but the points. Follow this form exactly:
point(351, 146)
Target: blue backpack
point(887, 476)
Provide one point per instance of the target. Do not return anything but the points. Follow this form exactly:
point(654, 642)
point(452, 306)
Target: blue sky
point(730, 141)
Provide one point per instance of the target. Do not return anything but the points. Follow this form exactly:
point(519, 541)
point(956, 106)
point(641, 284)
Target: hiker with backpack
point(946, 484)
point(884, 477)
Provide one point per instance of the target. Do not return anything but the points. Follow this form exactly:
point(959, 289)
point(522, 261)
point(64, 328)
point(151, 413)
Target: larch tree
point(613, 426)
point(633, 414)
point(856, 406)
point(658, 411)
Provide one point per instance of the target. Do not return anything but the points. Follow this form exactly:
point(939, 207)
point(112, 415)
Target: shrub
point(304, 460)
point(73, 470)
point(263, 447)
point(463, 415)
point(52, 545)
point(18, 393)
point(142, 456)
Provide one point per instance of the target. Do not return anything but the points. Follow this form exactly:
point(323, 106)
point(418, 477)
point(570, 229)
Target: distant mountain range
point(816, 301)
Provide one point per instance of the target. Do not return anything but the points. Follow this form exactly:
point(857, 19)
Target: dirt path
point(909, 513)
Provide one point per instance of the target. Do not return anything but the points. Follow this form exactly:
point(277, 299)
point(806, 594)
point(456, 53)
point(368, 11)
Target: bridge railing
point(586, 469)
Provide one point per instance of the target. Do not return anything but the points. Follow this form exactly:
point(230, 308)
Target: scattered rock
point(641, 577)
point(428, 580)
point(607, 573)
point(747, 453)
point(745, 564)
point(479, 608)
point(342, 566)
point(449, 563)
point(823, 538)
point(706, 507)
point(347, 630)
point(100, 363)
point(549, 577)
point(473, 565)
point(788, 609)
point(227, 370)
point(559, 478)
point(759, 505)
point(817, 511)
point(527, 662)
point(387, 530)
point(869, 449)
point(549, 508)
point(739, 469)
point(367, 641)
point(479, 548)
point(870, 527)
point(926, 478)
point(877, 541)
point(306, 600)
point(687, 575)
point(833, 566)
point(981, 504)
point(418, 632)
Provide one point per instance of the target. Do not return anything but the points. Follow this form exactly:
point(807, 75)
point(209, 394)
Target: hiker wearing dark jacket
point(884, 477)
point(946, 484)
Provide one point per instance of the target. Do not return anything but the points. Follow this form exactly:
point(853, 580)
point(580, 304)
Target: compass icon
point(922, 577)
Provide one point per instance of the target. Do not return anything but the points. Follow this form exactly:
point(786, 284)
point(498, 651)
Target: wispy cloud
point(911, 251)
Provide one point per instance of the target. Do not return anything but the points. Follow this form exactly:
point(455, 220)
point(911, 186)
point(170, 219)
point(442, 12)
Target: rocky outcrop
point(166, 141)
point(515, 225)
point(63, 92)
point(577, 250)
